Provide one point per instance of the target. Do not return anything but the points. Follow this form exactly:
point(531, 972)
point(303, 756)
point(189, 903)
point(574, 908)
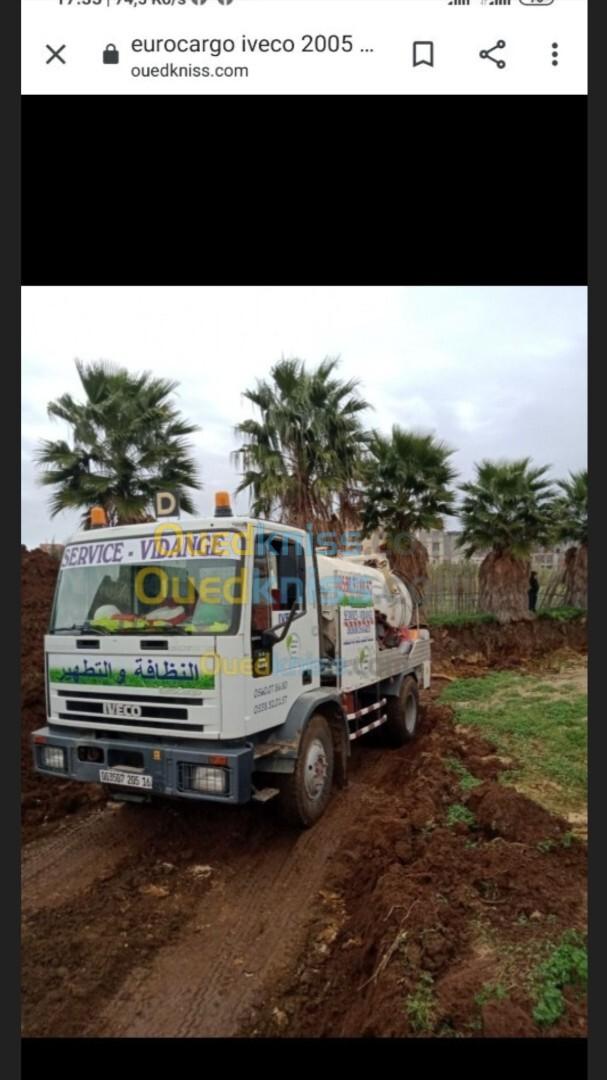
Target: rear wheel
point(306, 792)
point(403, 714)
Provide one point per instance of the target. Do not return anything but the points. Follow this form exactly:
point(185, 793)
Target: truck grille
point(129, 721)
point(153, 711)
point(159, 699)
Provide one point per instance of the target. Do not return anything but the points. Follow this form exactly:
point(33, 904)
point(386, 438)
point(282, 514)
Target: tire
point(305, 793)
point(403, 714)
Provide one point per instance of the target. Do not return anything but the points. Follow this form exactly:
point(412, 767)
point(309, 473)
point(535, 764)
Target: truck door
point(281, 671)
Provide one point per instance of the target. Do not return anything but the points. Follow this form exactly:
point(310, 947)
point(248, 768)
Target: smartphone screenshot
point(304, 534)
point(304, 47)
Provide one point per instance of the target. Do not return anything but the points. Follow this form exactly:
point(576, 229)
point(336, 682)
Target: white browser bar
point(304, 47)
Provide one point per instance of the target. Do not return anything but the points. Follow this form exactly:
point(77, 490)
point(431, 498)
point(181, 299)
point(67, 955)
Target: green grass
point(460, 815)
point(466, 780)
point(566, 840)
point(421, 1005)
point(563, 614)
point(490, 992)
point(543, 688)
point(541, 726)
point(566, 965)
point(474, 618)
point(478, 689)
point(471, 619)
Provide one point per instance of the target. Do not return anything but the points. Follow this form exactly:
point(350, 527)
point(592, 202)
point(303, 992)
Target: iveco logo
point(120, 708)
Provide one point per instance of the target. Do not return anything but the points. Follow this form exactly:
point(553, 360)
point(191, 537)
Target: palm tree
point(506, 511)
point(408, 478)
point(302, 458)
point(572, 527)
point(127, 443)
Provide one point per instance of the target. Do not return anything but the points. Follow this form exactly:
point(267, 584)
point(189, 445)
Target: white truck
point(225, 659)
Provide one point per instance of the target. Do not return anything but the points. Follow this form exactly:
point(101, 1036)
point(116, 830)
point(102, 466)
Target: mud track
point(207, 921)
point(170, 920)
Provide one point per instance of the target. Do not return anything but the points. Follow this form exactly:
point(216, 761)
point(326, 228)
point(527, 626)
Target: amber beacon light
point(98, 517)
point(222, 504)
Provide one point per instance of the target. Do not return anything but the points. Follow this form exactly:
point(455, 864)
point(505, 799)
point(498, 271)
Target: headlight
point(205, 778)
point(53, 757)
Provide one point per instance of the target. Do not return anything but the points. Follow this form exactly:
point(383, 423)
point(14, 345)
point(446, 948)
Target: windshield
point(191, 595)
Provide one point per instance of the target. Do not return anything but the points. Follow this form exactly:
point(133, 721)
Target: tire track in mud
point(55, 870)
point(251, 926)
point(168, 920)
point(203, 920)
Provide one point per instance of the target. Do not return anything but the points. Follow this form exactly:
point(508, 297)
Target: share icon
point(486, 54)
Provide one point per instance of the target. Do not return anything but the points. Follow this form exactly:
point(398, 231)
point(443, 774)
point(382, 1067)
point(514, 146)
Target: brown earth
point(409, 898)
point(203, 920)
point(472, 648)
point(200, 920)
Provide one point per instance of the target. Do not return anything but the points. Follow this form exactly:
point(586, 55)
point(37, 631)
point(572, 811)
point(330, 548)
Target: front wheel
point(403, 714)
point(306, 792)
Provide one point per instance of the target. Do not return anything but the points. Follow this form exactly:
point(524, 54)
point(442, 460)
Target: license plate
point(116, 776)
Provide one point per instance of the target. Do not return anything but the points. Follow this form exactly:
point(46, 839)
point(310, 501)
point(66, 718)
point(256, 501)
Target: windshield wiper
point(147, 631)
point(142, 631)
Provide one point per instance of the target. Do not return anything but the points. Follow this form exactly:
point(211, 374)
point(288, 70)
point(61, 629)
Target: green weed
point(566, 965)
point(563, 614)
point(473, 618)
point(421, 1004)
point(466, 780)
point(546, 845)
point(458, 814)
point(490, 992)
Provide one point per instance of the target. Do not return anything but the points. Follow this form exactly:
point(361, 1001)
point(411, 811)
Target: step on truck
point(224, 659)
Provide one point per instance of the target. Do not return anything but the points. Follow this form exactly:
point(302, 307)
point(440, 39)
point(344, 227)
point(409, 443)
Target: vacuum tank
point(361, 581)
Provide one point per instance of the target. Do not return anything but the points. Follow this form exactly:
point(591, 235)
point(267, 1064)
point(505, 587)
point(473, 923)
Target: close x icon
point(56, 54)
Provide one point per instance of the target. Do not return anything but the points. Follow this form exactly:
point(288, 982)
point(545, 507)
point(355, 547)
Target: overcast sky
point(495, 372)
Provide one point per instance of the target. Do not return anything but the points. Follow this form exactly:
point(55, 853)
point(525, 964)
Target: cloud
point(495, 372)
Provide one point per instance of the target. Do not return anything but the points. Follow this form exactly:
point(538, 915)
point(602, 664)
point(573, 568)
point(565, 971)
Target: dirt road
point(204, 921)
point(170, 920)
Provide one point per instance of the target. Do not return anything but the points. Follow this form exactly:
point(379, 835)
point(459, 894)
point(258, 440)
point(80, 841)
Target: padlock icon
point(111, 55)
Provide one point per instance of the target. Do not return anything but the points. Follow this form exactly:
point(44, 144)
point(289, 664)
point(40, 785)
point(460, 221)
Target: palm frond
point(128, 441)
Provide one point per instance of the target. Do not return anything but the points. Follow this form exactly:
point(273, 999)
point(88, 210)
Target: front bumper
point(170, 766)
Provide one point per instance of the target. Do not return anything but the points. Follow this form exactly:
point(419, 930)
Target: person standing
point(534, 588)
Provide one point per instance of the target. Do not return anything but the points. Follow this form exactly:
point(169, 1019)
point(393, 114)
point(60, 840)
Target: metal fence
point(452, 589)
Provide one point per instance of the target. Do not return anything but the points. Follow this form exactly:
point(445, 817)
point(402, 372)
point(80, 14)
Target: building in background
point(442, 548)
point(548, 558)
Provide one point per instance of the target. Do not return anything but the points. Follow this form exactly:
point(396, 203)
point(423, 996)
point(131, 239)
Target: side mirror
point(273, 637)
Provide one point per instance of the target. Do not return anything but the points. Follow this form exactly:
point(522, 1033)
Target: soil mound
point(471, 648)
point(501, 811)
point(420, 918)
